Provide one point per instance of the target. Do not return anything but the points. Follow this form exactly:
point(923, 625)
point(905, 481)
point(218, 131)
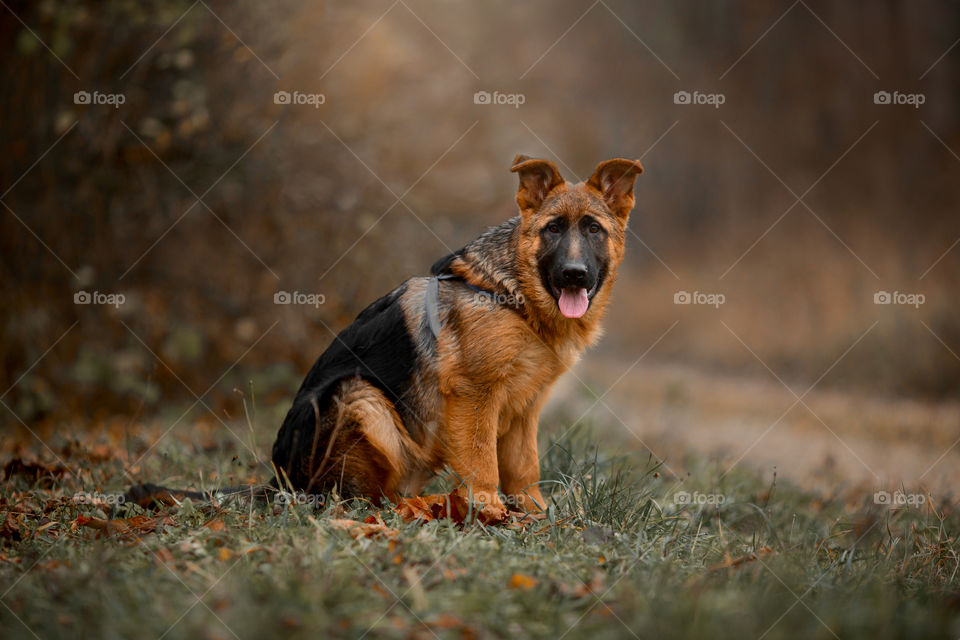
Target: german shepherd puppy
point(453, 369)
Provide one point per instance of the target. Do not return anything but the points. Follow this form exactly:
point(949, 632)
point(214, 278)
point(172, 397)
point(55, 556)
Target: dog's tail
point(150, 496)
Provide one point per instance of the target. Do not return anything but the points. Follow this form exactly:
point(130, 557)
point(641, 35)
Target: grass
point(615, 557)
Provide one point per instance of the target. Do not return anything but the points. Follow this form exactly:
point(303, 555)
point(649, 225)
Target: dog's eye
point(594, 228)
point(553, 227)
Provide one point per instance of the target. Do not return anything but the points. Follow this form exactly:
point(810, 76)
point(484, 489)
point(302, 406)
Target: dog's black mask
point(573, 261)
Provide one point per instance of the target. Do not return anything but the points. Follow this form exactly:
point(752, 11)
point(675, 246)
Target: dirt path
point(829, 438)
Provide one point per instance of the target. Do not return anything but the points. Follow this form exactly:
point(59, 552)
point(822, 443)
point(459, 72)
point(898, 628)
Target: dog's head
point(573, 234)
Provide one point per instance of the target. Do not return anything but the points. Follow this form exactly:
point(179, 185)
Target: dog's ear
point(537, 179)
point(614, 180)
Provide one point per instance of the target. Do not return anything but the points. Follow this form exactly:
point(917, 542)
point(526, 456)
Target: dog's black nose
point(574, 275)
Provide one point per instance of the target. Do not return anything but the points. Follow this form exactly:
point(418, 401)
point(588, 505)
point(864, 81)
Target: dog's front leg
point(520, 462)
point(472, 451)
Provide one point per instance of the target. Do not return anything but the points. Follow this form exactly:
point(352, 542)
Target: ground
point(631, 546)
point(820, 437)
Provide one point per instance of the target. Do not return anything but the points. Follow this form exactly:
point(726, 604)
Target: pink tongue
point(573, 302)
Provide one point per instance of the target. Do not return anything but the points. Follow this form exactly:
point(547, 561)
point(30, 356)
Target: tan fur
point(365, 404)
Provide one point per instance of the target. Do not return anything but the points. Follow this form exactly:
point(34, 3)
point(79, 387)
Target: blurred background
point(194, 159)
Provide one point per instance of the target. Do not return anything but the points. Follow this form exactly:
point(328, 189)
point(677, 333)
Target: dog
point(452, 370)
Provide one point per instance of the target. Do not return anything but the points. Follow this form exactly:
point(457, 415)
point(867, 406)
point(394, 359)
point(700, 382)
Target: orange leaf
point(123, 527)
point(446, 621)
point(363, 530)
point(452, 505)
point(733, 563)
point(411, 509)
point(342, 523)
point(522, 581)
point(453, 574)
point(164, 555)
point(596, 585)
point(381, 591)
point(215, 525)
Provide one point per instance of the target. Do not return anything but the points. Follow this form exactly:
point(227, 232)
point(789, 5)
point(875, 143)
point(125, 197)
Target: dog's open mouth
point(574, 302)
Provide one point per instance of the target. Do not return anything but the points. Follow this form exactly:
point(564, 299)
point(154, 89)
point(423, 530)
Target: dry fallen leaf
point(37, 471)
point(383, 593)
point(363, 529)
point(451, 505)
point(164, 556)
point(446, 621)
point(215, 525)
point(453, 574)
point(124, 527)
point(522, 581)
point(733, 563)
point(10, 527)
point(595, 586)
point(413, 508)
point(291, 621)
